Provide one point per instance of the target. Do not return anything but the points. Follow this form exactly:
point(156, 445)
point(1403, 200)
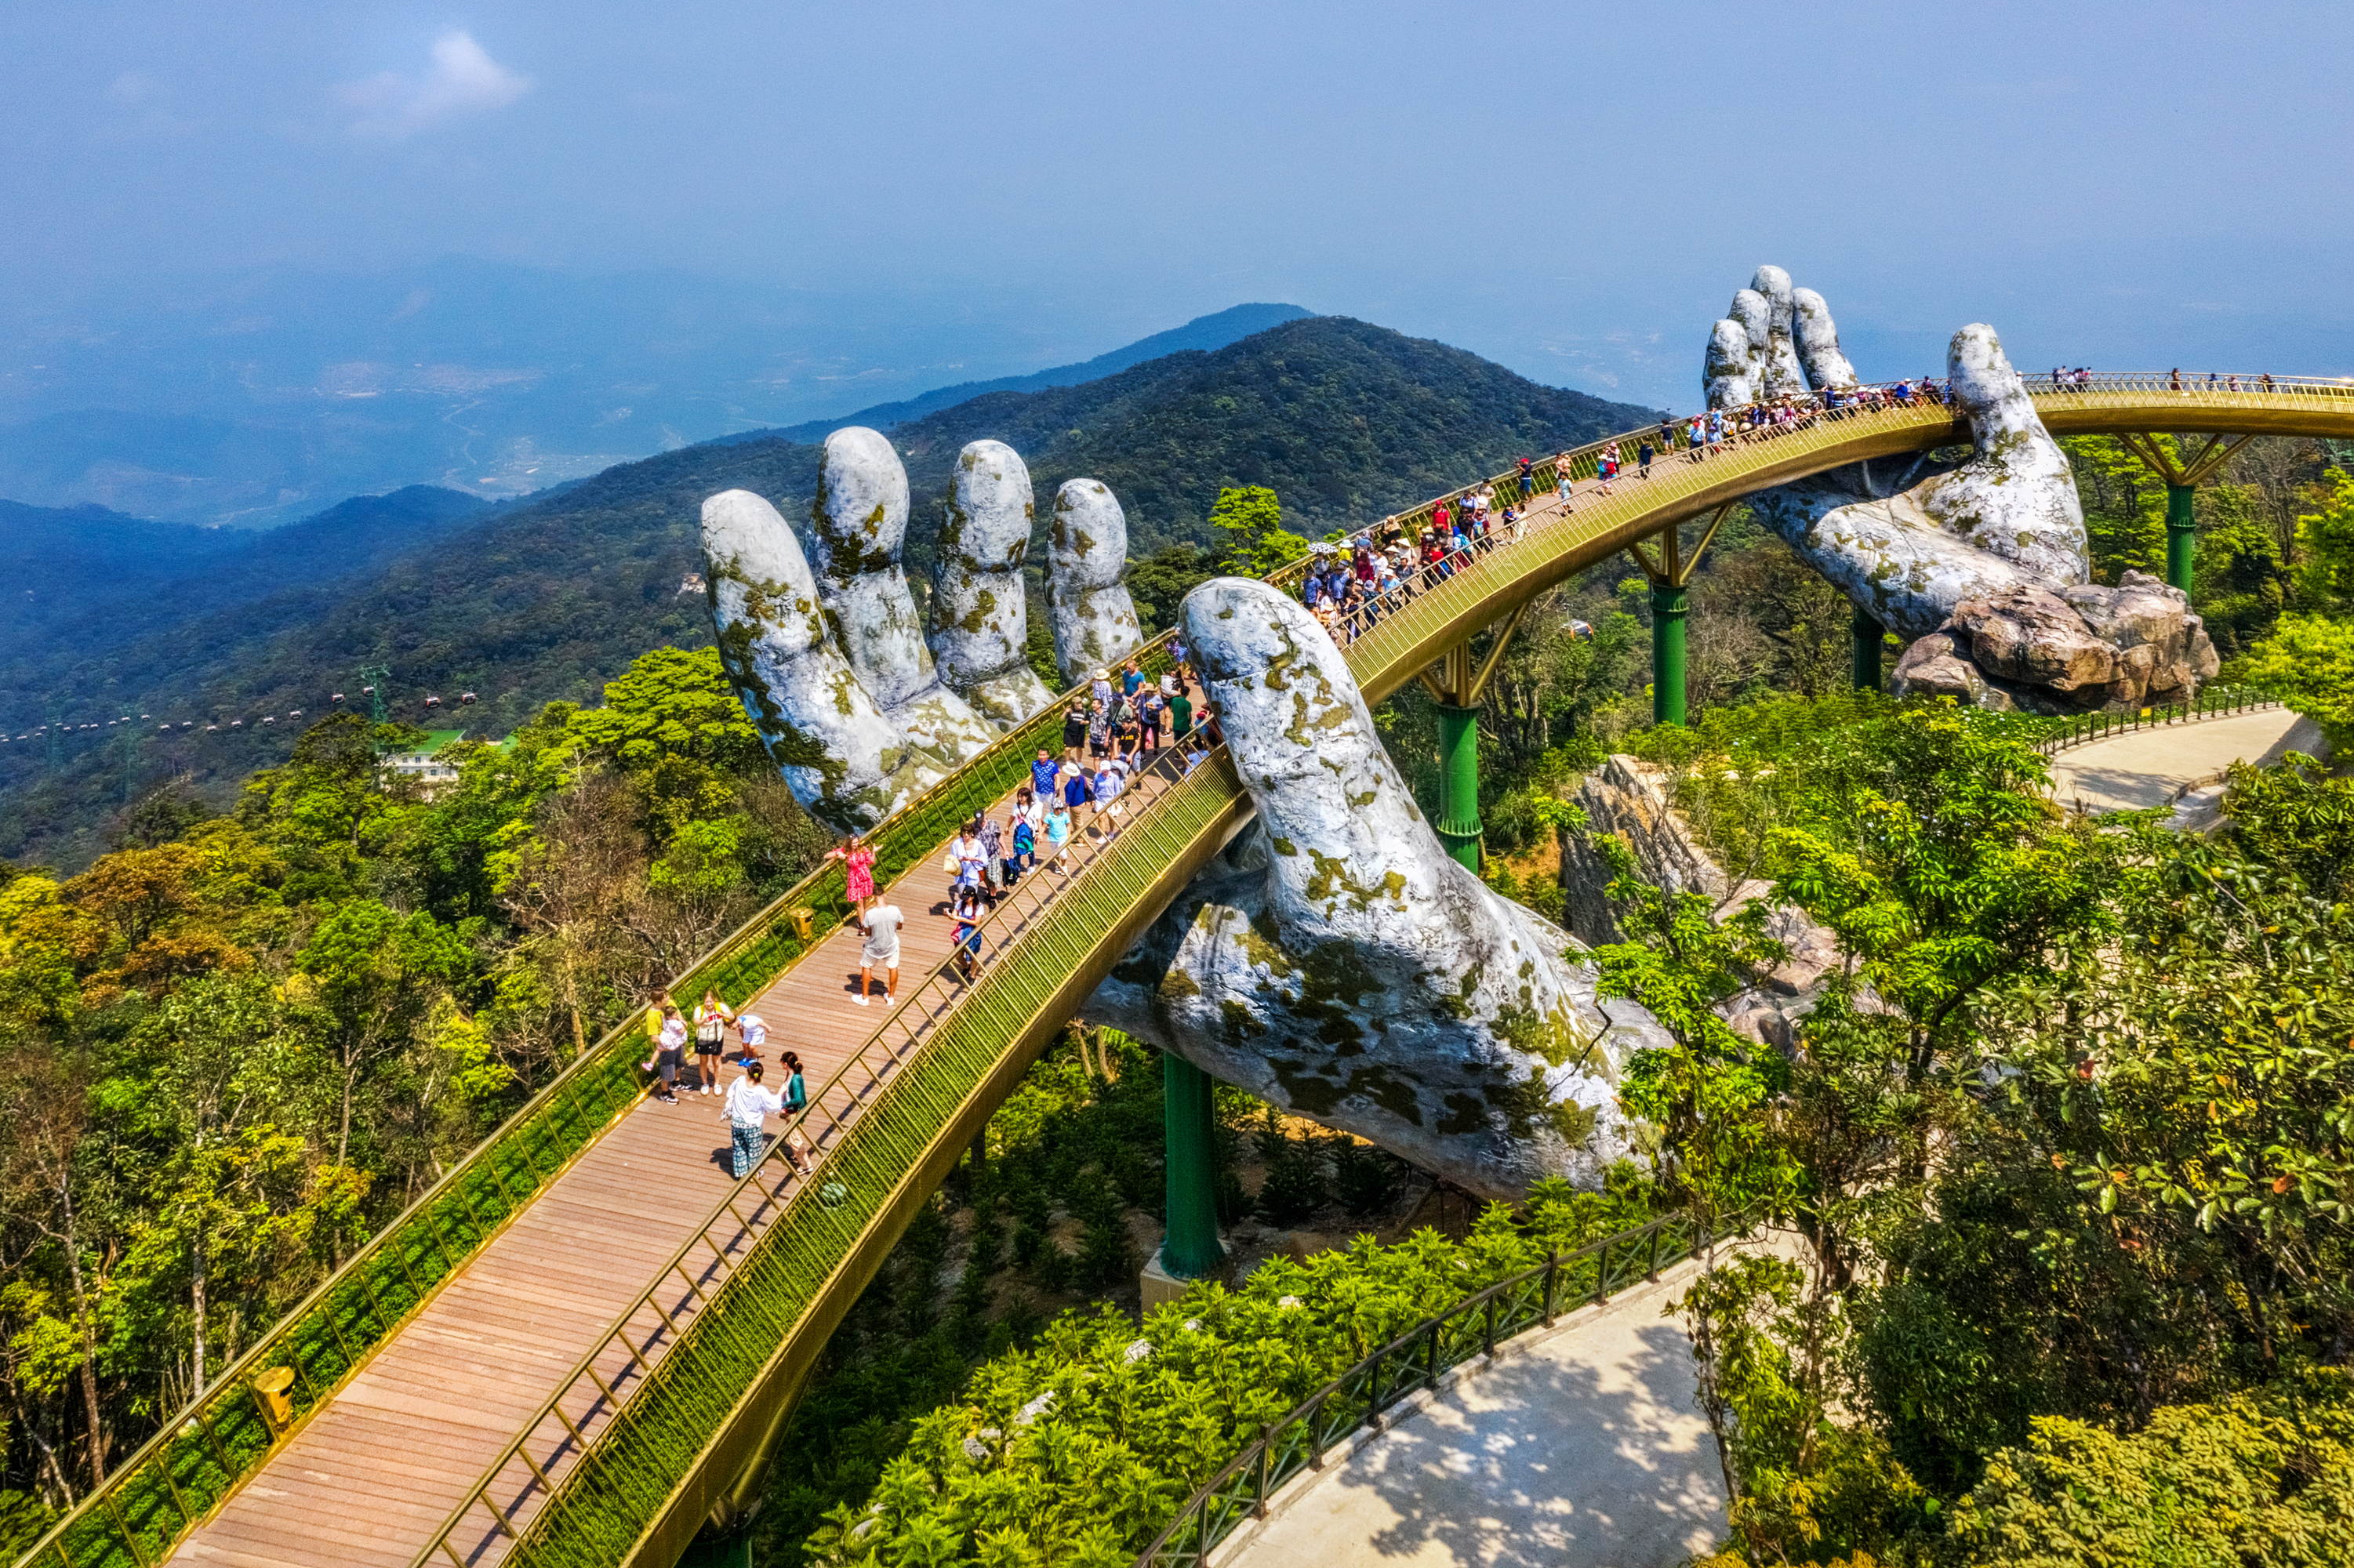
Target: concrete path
point(2157, 767)
point(1582, 1444)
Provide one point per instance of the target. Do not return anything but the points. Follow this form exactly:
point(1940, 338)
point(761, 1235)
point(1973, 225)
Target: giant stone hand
point(826, 654)
point(1340, 964)
point(1982, 562)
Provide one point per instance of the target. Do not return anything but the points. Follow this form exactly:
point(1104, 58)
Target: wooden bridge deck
point(369, 1479)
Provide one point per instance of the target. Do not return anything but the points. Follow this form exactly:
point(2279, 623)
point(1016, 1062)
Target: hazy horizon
point(565, 238)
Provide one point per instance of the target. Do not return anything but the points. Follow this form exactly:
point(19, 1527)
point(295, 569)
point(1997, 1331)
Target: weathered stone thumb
point(1094, 618)
point(2015, 497)
point(979, 631)
point(840, 757)
point(1367, 979)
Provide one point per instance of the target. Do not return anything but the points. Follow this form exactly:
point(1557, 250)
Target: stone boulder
point(2070, 650)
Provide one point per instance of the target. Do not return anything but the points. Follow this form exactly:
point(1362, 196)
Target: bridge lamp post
point(2162, 455)
point(1670, 577)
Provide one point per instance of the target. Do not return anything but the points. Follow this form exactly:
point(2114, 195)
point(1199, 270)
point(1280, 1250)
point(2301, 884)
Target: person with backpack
point(711, 1020)
point(1026, 851)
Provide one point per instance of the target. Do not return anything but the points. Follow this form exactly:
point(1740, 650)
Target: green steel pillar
point(2181, 536)
point(1868, 635)
point(1459, 783)
point(1190, 1250)
point(1667, 606)
point(731, 1552)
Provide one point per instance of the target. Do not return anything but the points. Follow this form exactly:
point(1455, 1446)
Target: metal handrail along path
point(1414, 1362)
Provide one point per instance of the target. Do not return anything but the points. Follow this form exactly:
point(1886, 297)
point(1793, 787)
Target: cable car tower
point(373, 679)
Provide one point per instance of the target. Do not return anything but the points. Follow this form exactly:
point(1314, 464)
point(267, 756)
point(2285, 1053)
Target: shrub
point(2260, 1478)
point(1294, 1187)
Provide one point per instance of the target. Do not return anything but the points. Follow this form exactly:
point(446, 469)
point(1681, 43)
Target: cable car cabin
point(465, 698)
point(336, 698)
point(432, 701)
point(237, 724)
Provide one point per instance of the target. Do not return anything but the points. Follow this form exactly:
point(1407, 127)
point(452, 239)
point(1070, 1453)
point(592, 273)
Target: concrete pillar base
point(1158, 1285)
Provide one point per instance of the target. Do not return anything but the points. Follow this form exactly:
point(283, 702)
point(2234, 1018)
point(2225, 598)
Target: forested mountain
point(550, 598)
point(1204, 332)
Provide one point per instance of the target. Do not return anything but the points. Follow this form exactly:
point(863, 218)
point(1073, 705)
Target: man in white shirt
point(750, 1106)
point(881, 923)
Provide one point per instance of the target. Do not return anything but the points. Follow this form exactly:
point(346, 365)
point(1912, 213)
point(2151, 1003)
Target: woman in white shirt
point(748, 1106)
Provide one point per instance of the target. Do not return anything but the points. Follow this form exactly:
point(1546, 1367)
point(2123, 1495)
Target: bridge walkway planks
point(368, 1479)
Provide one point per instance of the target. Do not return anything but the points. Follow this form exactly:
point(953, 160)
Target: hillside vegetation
point(548, 601)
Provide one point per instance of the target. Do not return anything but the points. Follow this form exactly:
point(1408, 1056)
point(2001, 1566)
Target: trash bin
point(269, 1392)
point(803, 918)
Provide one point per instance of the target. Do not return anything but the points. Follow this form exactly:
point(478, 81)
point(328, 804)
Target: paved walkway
point(2157, 767)
point(1579, 1446)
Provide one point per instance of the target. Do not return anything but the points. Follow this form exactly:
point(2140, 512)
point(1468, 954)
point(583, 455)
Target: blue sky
point(1574, 190)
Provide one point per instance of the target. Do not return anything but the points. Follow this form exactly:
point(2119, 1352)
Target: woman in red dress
point(858, 870)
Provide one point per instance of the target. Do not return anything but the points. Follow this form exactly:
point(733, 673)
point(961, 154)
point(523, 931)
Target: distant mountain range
point(1204, 332)
point(549, 597)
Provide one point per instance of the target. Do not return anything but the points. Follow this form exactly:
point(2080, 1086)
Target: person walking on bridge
point(858, 870)
point(880, 951)
point(1562, 482)
point(748, 1108)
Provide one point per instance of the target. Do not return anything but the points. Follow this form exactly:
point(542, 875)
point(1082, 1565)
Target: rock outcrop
point(979, 631)
point(1339, 964)
point(1094, 620)
point(2073, 651)
point(1627, 799)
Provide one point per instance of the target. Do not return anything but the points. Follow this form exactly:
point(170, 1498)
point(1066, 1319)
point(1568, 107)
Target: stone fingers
point(1817, 341)
point(1094, 618)
point(979, 631)
point(1730, 374)
point(858, 523)
point(1782, 373)
point(839, 754)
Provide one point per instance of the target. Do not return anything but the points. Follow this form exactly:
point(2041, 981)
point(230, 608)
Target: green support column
point(2182, 536)
point(1459, 783)
point(1868, 635)
point(735, 1551)
point(1190, 1250)
point(1667, 606)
